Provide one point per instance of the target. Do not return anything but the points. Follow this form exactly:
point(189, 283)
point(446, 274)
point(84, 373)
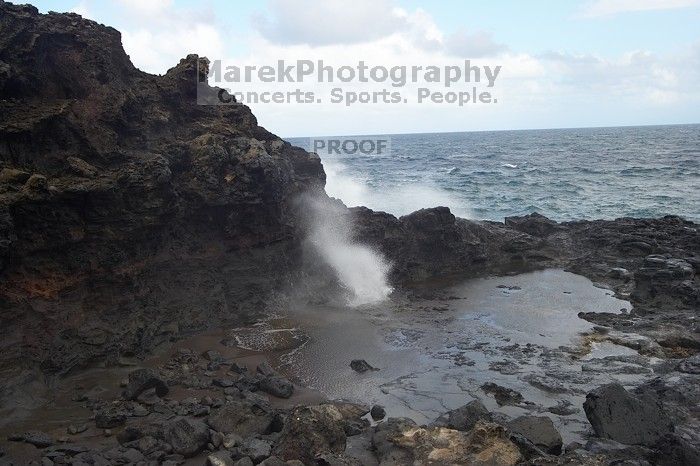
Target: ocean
point(564, 174)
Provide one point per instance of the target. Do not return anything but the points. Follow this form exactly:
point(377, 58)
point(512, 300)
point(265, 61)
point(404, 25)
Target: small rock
point(73, 429)
point(13, 176)
point(620, 273)
point(272, 461)
point(213, 356)
point(216, 438)
point(563, 408)
point(34, 437)
point(245, 461)
point(310, 431)
point(187, 436)
point(690, 365)
point(504, 396)
point(265, 368)
point(231, 440)
point(540, 431)
point(277, 386)
point(224, 382)
point(141, 380)
point(36, 183)
point(465, 417)
point(220, 458)
point(110, 417)
point(361, 366)
point(237, 368)
point(256, 449)
point(377, 412)
point(81, 167)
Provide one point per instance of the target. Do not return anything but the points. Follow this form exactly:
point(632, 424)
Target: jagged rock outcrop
point(126, 210)
point(433, 242)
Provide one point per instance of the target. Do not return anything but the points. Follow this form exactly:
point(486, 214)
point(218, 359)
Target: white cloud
point(606, 8)
point(552, 89)
point(158, 34)
point(155, 50)
point(146, 7)
point(328, 22)
point(473, 45)
point(82, 9)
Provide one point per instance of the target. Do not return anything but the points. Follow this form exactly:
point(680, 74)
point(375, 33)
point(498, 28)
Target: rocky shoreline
point(132, 219)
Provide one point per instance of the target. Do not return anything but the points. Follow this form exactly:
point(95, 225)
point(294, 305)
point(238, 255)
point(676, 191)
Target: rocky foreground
point(131, 217)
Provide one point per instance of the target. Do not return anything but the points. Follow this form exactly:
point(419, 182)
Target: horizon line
point(491, 130)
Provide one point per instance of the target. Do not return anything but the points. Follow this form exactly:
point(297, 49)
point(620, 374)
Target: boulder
point(464, 418)
point(187, 436)
point(540, 431)
point(264, 368)
point(110, 417)
point(273, 461)
point(310, 431)
point(242, 417)
point(276, 386)
point(616, 414)
point(141, 380)
point(400, 441)
point(34, 437)
point(13, 176)
point(255, 449)
point(220, 458)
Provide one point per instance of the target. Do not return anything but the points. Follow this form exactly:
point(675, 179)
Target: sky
point(563, 63)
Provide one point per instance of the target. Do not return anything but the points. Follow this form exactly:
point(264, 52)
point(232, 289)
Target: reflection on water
point(520, 332)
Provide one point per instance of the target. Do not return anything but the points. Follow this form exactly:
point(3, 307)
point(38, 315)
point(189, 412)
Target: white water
point(361, 270)
point(342, 184)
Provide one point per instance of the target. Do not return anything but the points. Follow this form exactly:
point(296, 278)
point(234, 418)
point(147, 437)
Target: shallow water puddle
point(520, 332)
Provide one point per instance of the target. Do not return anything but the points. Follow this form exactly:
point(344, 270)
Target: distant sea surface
point(565, 174)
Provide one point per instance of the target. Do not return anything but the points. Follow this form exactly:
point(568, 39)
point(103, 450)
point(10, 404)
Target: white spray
point(360, 269)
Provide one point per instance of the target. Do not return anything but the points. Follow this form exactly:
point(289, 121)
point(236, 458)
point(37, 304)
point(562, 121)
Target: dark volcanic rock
point(433, 242)
point(540, 431)
point(126, 207)
point(377, 412)
point(360, 365)
point(277, 386)
point(109, 417)
point(36, 438)
point(665, 277)
point(464, 418)
point(503, 395)
point(220, 458)
point(400, 441)
point(187, 437)
point(534, 224)
point(141, 380)
point(242, 417)
point(616, 414)
point(311, 431)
